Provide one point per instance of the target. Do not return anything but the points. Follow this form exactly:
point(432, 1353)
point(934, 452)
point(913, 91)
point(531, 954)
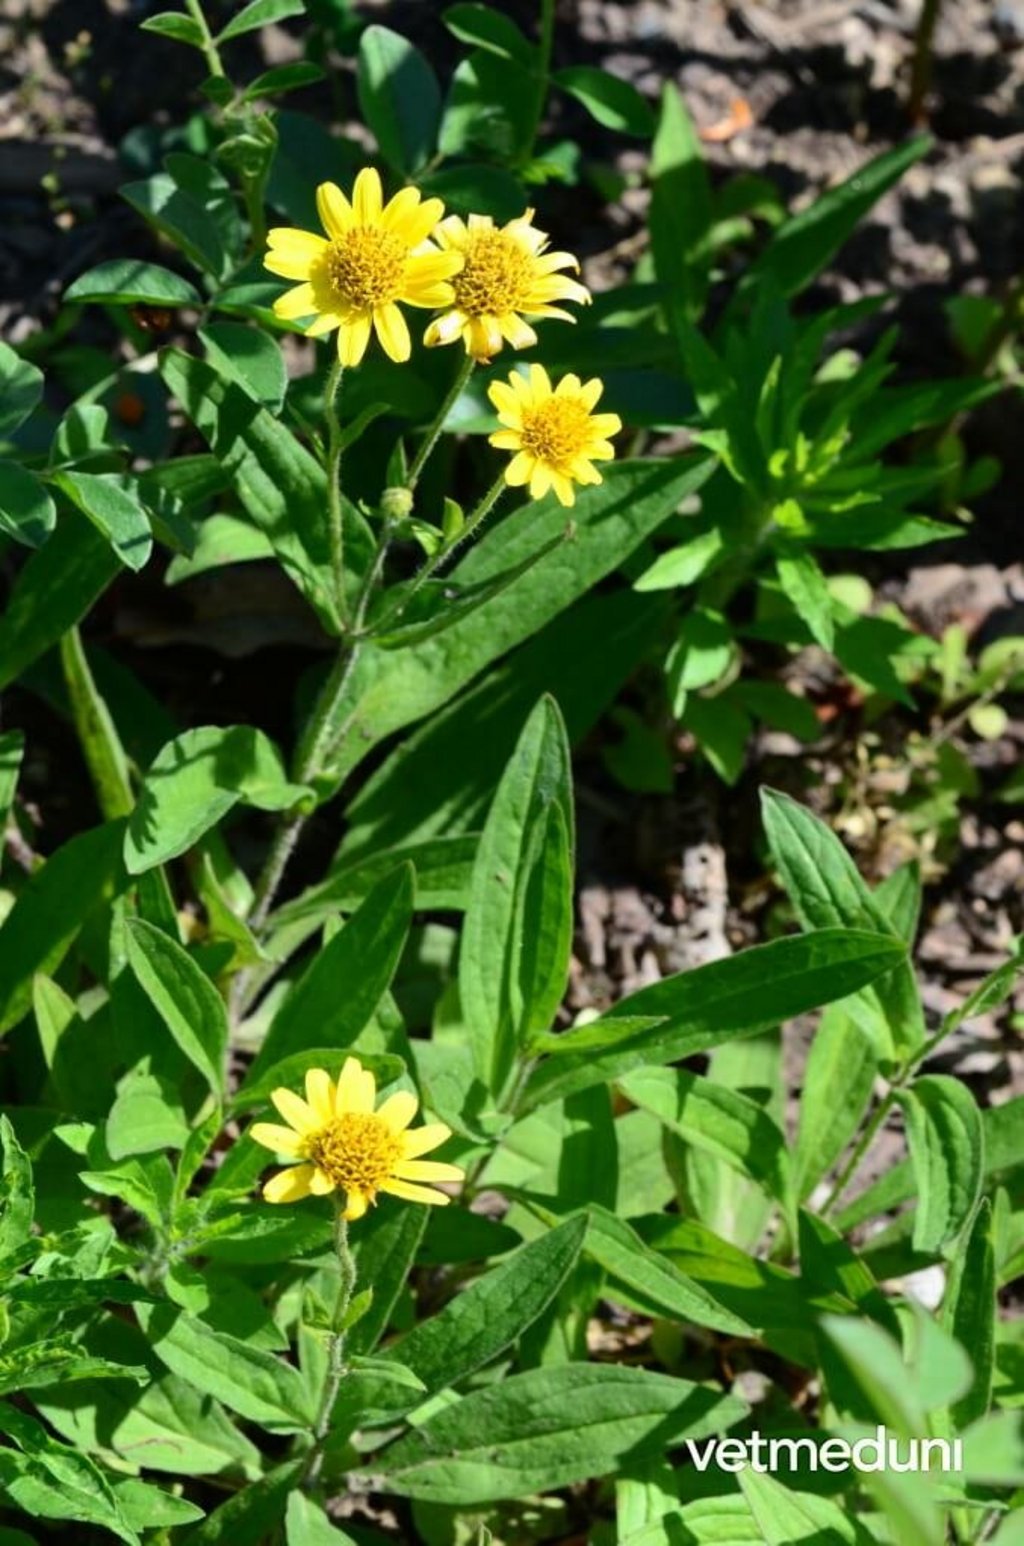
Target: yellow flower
point(506, 274)
point(373, 256)
point(340, 1142)
point(555, 434)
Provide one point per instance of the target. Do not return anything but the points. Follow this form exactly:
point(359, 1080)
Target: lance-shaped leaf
point(183, 996)
point(947, 1151)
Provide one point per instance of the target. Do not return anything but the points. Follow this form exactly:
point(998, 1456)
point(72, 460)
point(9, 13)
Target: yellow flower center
point(357, 1150)
point(364, 267)
point(496, 276)
point(556, 431)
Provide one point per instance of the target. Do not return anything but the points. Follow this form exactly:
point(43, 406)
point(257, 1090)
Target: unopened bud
point(396, 503)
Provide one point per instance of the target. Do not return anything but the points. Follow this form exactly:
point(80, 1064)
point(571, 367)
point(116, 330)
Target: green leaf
point(804, 243)
point(27, 513)
point(284, 77)
point(49, 912)
point(838, 1079)
point(827, 891)
point(490, 986)
point(546, 1429)
point(481, 26)
point(681, 566)
point(969, 1314)
point(488, 113)
point(787, 1518)
point(612, 101)
point(443, 867)
point(247, 1380)
point(109, 501)
point(306, 1524)
point(363, 956)
point(194, 781)
point(125, 281)
point(97, 733)
point(259, 13)
point(17, 1195)
point(184, 998)
point(21, 387)
point(253, 1514)
point(752, 991)
point(172, 24)
point(947, 1151)
point(12, 750)
point(249, 357)
point(180, 217)
point(281, 486)
point(55, 588)
point(803, 582)
point(720, 1121)
point(54, 1482)
point(829, 1266)
point(681, 215)
point(491, 1314)
point(652, 1283)
point(399, 97)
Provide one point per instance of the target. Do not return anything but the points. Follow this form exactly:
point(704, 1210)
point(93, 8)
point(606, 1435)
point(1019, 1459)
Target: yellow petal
point(600, 451)
point(584, 472)
point(540, 480)
point(393, 332)
point(517, 332)
point(551, 262)
point(325, 323)
point(353, 337)
point(428, 1170)
point(334, 209)
point(295, 1111)
point(398, 1110)
point(356, 1204)
point(445, 330)
point(521, 470)
point(424, 1138)
point(425, 270)
point(429, 297)
point(292, 253)
point(506, 439)
point(451, 232)
point(604, 424)
point(299, 302)
point(356, 1088)
point(320, 1183)
point(591, 393)
point(279, 1140)
point(367, 197)
point(507, 402)
point(564, 491)
point(484, 337)
point(320, 1093)
point(289, 1185)
point(413, 221)
point(540, 382)
point(411, 1193)
point(569, 386)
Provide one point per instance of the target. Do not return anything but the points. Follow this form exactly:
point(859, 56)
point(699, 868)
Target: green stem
point(544, 51)
point(335, 511)
point(433, 434)
point(209, 47)
point(336, 1348)
point(444, 552)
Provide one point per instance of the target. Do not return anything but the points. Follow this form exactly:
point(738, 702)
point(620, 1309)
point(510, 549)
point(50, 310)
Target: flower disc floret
point(507, 274)
point(373, 258)
point(553, 431)
point(336, 1141)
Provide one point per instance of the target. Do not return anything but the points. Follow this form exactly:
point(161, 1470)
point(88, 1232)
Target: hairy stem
point(210, 51)
point(336, 1348)
point(433, 434)
point(335, 511)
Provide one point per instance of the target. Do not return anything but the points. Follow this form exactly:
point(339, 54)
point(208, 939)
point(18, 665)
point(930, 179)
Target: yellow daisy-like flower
point(554, 432)
point(340, 1143)
point(374, 256)
point(507, 274)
